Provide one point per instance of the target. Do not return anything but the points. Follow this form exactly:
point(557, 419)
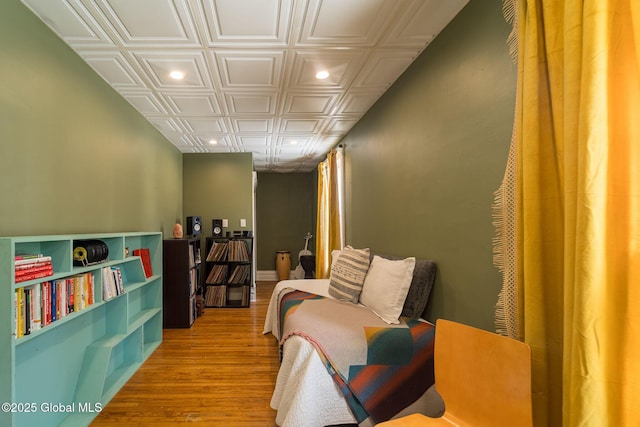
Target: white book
point(117, 274)
point(114, 281)
point(93, 288)
point(107, 277)
point(32, 260)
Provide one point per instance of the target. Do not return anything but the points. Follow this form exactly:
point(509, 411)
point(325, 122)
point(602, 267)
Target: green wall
point(218, 185)
point(286, 211)
point(422, 165)
point(75, 157)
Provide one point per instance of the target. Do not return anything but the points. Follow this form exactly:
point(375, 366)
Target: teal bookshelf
point(65, 373)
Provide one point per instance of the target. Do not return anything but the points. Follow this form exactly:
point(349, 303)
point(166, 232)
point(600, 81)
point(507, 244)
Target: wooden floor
point(221, 372)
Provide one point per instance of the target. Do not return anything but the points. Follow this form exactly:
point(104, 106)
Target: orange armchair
point(483, 378)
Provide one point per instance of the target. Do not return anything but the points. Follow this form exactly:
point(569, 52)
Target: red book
point(33, 275)
point(145, 256)
point(22, 267)
point(46, 304)
point(33, 270)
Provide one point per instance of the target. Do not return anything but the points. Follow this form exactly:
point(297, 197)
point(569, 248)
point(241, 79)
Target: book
point(16, 311)
point(45, 303)
point(36, 307)
point(52, 301)
point(33, 270)
point(33, 276)
point(32, 266)
point(107, 294)
point(20, 312)
point(91, 288)
point(61, 298)
point(20, 257)
point(145, 256)
point(71, 295)
point(30, 259)
point(80, 289)
point(27, 311)
point(117, 280)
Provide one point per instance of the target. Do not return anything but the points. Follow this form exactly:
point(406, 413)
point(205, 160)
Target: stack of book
point(30, 267)
point(112, 283)
point(39, 305)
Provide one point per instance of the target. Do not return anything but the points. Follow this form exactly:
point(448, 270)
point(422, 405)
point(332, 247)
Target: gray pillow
point(424, 276)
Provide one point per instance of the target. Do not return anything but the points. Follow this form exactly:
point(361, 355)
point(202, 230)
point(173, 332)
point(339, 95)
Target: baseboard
point(270, 275)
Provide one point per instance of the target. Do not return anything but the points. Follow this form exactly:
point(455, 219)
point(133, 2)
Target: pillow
point(335, 254)
point(386, 286)
point(424, 277)
point(348, 273)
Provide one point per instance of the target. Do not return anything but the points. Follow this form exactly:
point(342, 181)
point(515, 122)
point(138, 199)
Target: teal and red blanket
point(380, 368)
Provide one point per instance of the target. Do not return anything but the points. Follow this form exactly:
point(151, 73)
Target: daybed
point(354, 355)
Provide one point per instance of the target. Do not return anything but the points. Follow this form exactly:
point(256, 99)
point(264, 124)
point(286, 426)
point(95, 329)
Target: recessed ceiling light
point(321, 75)
point(294, 142)
point(178, 75)
point(213, 142)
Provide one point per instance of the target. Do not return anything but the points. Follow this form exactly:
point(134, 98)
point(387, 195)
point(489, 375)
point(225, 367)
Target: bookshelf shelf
point(69, 318)
point(228, 271)
point(82, 358)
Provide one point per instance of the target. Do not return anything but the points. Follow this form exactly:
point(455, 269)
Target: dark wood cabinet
point(181, 268)
point(228, 271)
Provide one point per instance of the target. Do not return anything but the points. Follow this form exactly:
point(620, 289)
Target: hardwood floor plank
point(220, 372)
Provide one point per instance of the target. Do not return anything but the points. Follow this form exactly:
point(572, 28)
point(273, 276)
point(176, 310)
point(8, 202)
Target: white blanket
point(315, 286)
point(305, 394)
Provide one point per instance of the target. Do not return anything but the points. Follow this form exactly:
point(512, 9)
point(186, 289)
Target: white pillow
point(386, 286)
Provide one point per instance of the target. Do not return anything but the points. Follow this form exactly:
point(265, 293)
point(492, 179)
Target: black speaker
point(216, 227)
point(194, 225)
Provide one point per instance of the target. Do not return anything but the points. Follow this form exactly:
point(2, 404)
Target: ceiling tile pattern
point(249, 65)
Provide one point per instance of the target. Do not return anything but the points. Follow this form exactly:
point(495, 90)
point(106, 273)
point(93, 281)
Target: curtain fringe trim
point(509, 11)
point(506, 318)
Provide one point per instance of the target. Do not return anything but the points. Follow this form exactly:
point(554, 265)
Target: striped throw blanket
point(380, 368)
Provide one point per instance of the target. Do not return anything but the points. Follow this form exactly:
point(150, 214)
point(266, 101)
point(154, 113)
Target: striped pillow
point(348, 273)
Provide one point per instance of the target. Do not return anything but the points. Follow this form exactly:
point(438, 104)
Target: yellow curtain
point(330, 233)
point(577, 133)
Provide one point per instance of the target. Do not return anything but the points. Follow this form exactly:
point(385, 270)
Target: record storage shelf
point(65, 372)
